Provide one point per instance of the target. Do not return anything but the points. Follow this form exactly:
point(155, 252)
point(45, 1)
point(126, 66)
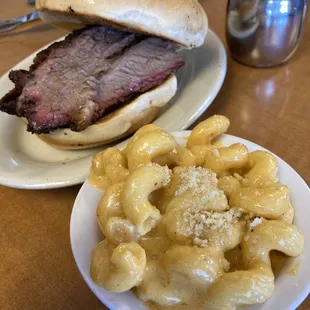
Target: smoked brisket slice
point(72, 83)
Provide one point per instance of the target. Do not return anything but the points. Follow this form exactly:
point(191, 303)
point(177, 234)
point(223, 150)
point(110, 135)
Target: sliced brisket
point(74, 82)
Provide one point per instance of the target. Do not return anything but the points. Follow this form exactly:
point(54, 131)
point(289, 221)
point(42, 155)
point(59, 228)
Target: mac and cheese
point(191, 227)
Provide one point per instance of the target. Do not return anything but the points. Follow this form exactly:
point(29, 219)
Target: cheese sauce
point(233, 256)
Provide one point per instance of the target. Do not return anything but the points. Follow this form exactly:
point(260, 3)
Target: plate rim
point(16, 181)
point(182, 134)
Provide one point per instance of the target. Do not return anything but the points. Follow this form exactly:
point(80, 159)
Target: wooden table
point(270, 107)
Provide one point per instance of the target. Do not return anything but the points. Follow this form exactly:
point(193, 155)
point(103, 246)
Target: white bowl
point(290, 290)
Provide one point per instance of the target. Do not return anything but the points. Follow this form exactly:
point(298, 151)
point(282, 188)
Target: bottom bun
point(119, 123)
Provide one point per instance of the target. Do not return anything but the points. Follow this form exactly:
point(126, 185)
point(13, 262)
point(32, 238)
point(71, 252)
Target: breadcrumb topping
point(197, 179)
point(257, 221)
point(200, 242)
point(166, 172)
point(238, 176)
point(199, 220)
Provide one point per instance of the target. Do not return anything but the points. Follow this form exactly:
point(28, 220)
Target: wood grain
point(270, 107)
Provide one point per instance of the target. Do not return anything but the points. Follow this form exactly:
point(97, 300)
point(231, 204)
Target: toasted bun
point(182, 21)
point(118, 124)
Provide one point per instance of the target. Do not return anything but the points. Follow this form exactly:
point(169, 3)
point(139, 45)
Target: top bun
point(181, 21)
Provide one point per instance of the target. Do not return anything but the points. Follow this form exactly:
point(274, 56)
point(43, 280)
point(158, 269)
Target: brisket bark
point(73, 83)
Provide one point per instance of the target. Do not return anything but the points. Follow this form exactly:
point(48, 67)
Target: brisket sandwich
point(110, 75)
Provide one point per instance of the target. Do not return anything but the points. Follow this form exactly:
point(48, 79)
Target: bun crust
point(118, 124)
point(181, 21)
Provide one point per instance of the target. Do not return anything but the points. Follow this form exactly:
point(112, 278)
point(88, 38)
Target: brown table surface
point(270, 107)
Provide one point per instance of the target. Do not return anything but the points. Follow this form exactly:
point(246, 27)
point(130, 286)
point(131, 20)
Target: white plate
point(27, 162)
point(290, 290)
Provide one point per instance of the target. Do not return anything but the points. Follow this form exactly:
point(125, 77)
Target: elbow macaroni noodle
point(269, 202)
point(207, 130)
point(108, 168)
point(136, 205)
point(119, 268)
point(180, 156)
point(263, 169)
point(149, 146)
point(170, 214)
point(226, 158)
